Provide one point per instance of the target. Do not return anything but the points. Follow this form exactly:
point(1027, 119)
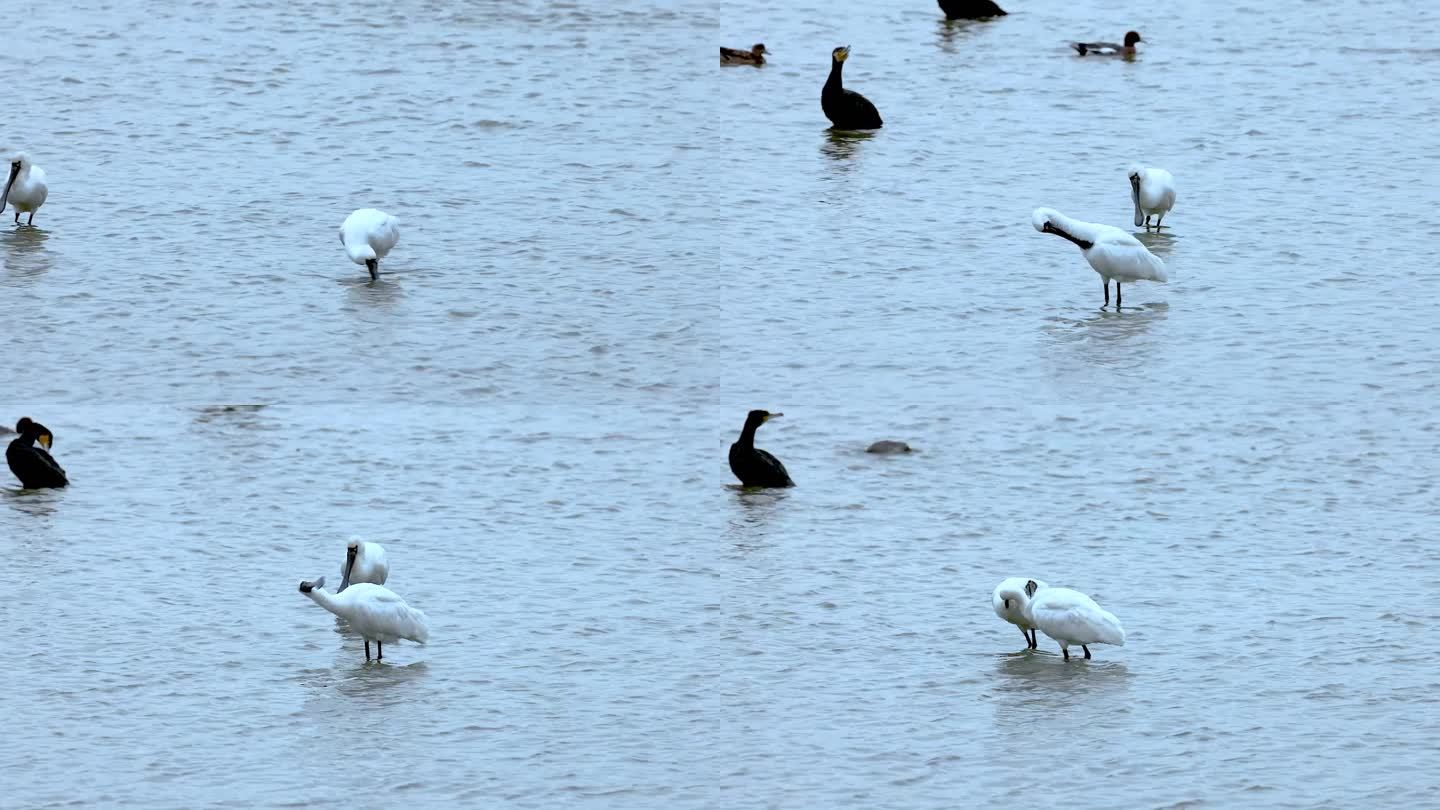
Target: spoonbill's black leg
point(367, 649)
point(1087, 651)
point(1117, 296)
point(1105, 287)
point(380, 651)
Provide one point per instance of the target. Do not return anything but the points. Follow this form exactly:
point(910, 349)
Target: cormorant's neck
point(747, 436)
point(835, 67)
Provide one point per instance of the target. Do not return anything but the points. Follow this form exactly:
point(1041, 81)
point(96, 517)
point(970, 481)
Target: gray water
point(611, 249)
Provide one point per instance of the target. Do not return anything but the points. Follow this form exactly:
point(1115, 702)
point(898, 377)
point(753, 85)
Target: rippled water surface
point(611, 249)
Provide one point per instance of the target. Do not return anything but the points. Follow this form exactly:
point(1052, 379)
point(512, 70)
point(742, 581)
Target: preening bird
point(1111, 252)
point(368, 234)
point(1071, 617)
point(25, 190)
point(1010, 600)
point(753, 466)
point(364, 562)
point(846, 109)
point(373, 611)
point(33, 465)
point(1153, 193)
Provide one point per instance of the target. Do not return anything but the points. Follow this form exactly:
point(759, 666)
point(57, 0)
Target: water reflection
point(843, 144)
point(952, 33)
point(33, 502)
point(1033, 681)
point(1161, 244)
point(25, 252)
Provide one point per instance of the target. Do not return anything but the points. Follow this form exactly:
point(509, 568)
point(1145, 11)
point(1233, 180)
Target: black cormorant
point(754, 56)
point(753, 466)
point(846, 109)
point(1109, 48)
point(970, 9)
point(33, 465)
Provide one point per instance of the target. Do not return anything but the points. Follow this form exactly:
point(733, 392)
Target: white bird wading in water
point(1111, 252)
point(373, 611)
point(1153, 193)
point(1071, 617)
point(368, 234)
point(364, 562)
point(25, 190)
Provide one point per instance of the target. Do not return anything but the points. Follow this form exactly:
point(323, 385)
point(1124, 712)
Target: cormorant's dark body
point(753, 466)
point(970, 9)
point(846, 109)
point(33, 465)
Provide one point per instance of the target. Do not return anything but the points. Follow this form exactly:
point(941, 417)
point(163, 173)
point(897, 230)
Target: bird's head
point(1132, 37)
point(758, 418)
point(759, 49)
point(306, 586)
point(30, 429)
point(841, 53)
point(1044, 219)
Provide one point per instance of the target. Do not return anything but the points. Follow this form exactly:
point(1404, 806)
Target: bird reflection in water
point(842, 144)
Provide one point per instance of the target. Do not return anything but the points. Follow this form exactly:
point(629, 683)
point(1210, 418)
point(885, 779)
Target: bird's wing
point(47, 459)
point(861, 103)
point(772, 462)
point(380, 607)
point(1126, 261)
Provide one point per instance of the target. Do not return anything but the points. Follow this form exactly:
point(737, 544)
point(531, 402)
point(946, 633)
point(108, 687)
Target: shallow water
point(611, 249)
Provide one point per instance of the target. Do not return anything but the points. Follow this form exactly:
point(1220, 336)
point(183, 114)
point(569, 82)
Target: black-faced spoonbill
point(26, 190)
point(364, 562)
point(1111, 252)
point(33, 465)
point(1071, 617)
point(1153, 193)
point(368, 234)
point(374, 612)
point(1010, 599)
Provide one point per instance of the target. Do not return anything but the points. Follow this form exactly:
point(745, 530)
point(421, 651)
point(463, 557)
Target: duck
point(25, 190)
point(1010, 599)
point(846, 109)
point(753, 466)
point(754, 56)
point(374, 611)
point(368, 234)
point(33, 465)
point(970, 9)
point(1070, 617)
point(1109, 48)
point(364, 562)
point(1111, 252)
point(1153, 192)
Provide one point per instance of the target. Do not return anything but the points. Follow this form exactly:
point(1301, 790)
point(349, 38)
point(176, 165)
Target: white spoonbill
point(1010, 598)
point(1153, 192)
point(25, 190)
point(364, 562)
point(374, 611)
point(1071, 617)
point(368, 234)
point(1113, 253)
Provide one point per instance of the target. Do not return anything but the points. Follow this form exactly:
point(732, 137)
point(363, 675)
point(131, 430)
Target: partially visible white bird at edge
point(1153, 192)
point(25, 190)
point(1010, 598)
point(368, 234)
point(373, 611)
point(1071, 617)
point(1111, 252)
point(364, 562)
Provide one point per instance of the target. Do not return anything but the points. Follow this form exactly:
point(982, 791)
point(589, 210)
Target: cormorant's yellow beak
point(45, 439)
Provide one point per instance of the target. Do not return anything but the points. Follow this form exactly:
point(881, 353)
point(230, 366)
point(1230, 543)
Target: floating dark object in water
point(888, 447)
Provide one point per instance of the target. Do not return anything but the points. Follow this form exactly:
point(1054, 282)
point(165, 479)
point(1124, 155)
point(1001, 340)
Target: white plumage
point(1153, 193)
point(25, 190)
point(1111, 252)
point(1071, 617)
point(368, 234)
point(364, 562)
point(1010, 599)
point(373, 611)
